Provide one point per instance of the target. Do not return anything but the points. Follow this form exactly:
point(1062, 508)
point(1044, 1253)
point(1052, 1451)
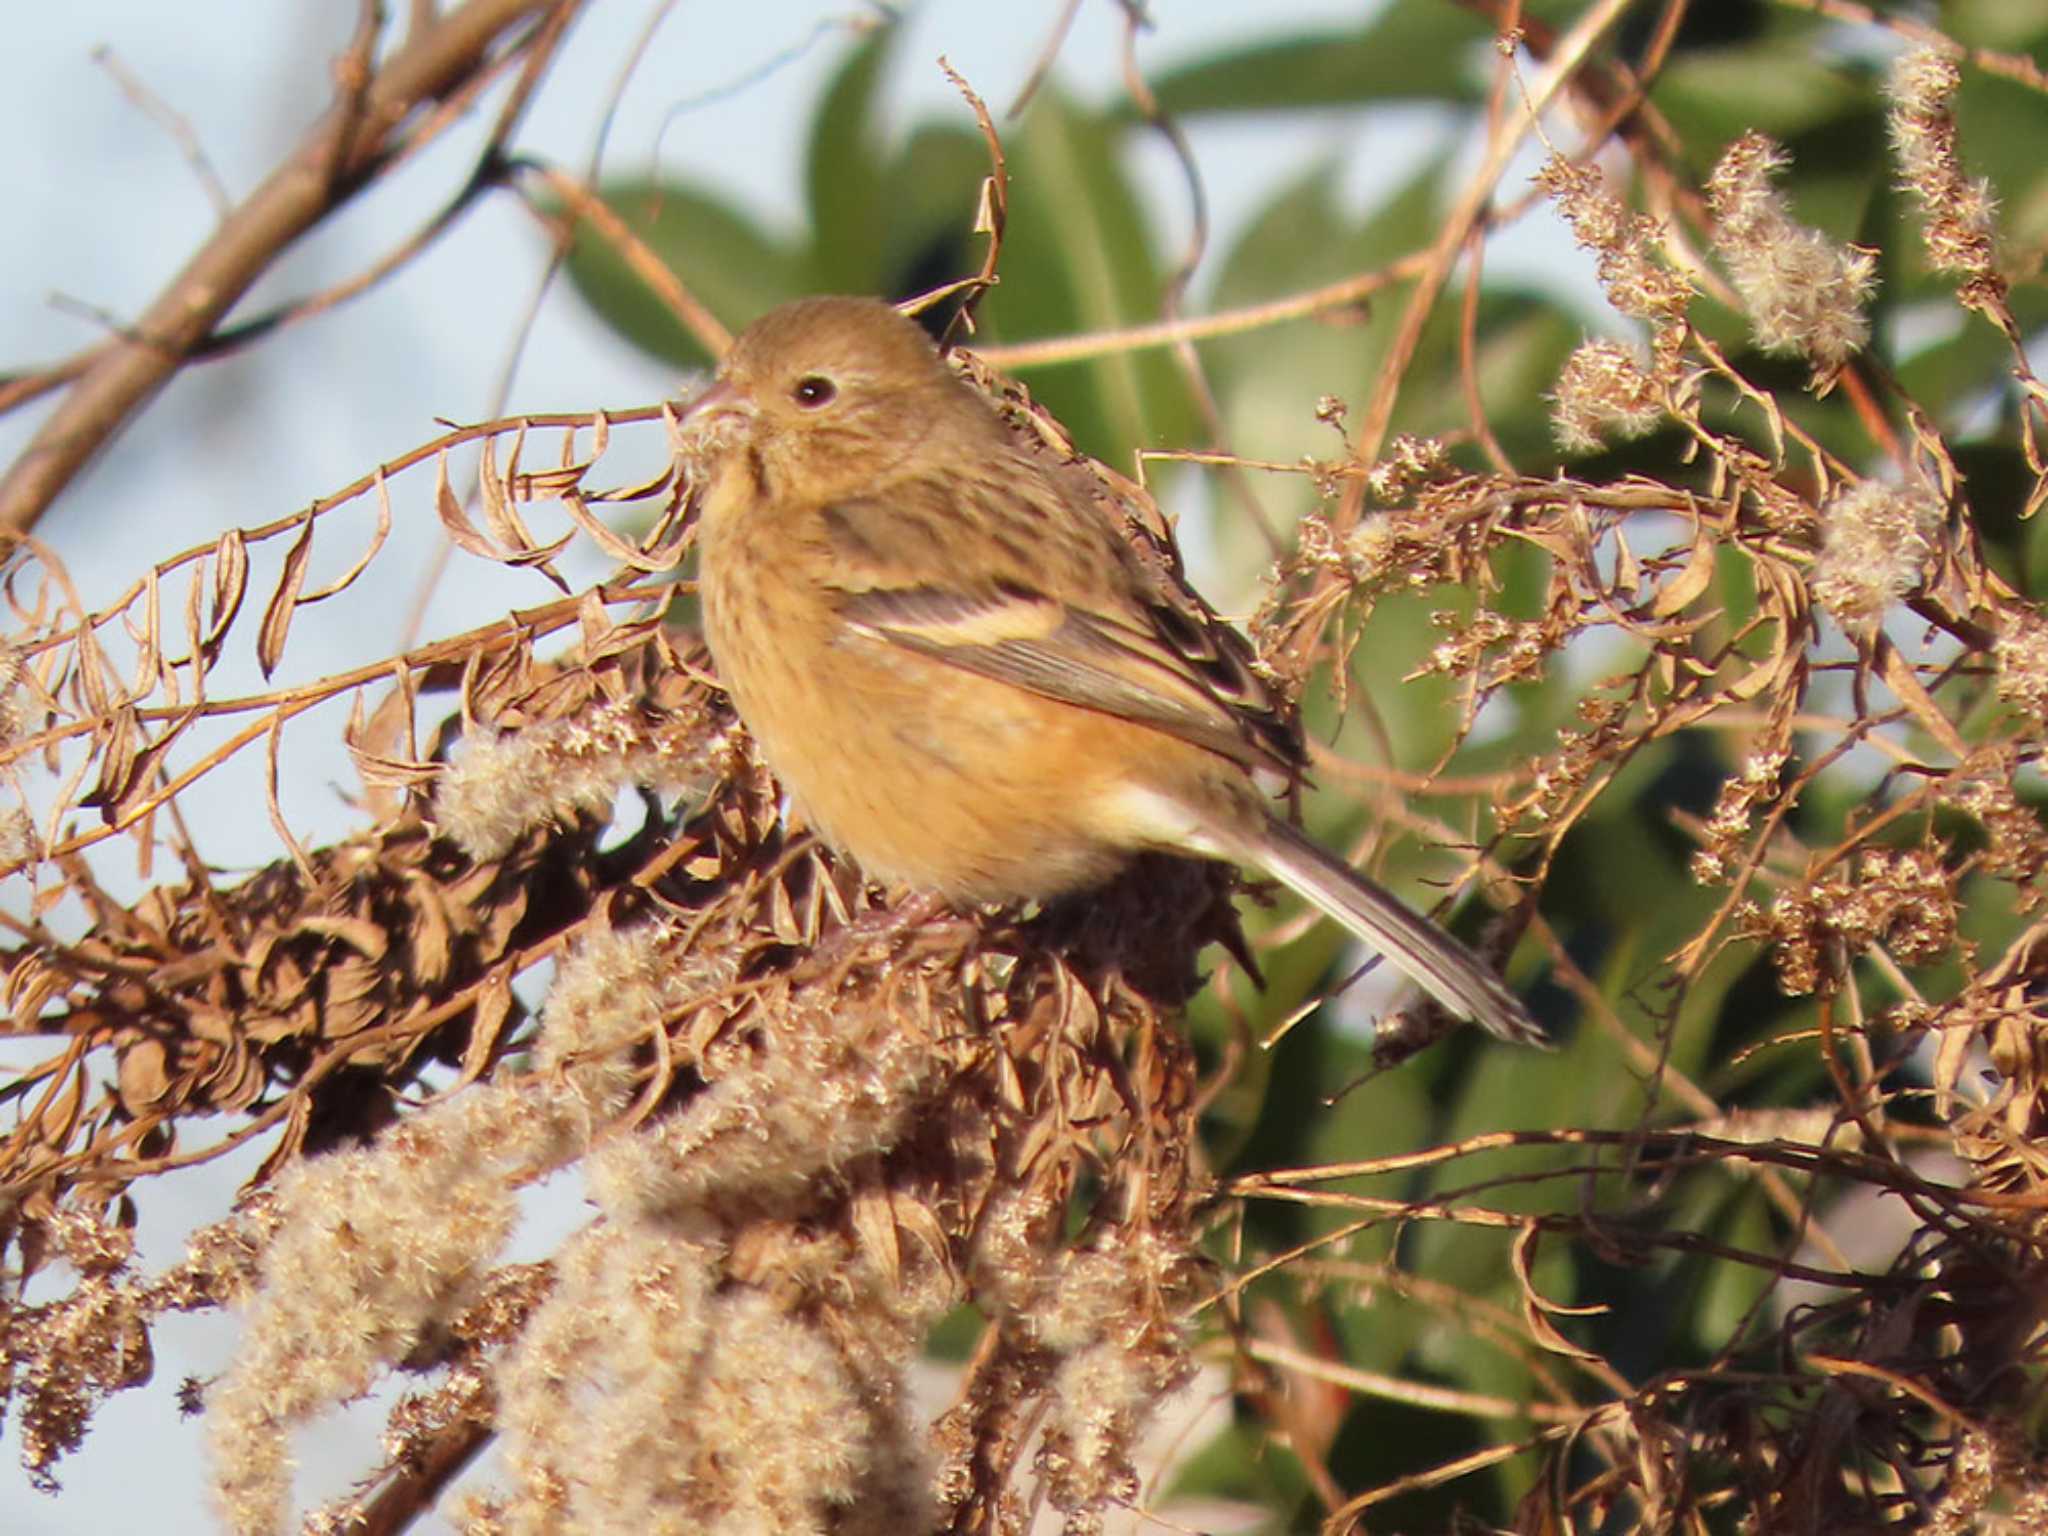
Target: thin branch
point(1342, 294)
point(705, 328)
point(173, 123)
point(2010, 66)
point(339, 156)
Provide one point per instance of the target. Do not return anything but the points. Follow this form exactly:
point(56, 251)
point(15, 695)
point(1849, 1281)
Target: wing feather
point(1105, 642)
point(1075, 660)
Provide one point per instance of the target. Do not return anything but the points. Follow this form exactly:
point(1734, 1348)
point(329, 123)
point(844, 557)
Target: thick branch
point(333, 161)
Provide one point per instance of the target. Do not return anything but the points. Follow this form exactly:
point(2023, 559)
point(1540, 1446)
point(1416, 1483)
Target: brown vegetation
point(814, 1118)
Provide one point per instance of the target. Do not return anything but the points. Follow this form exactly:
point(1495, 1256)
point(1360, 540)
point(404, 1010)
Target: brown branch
point(708, 331)
point(1572, 50)
point(490, 172)
point(414, 1486)
point(1342, 294)
point(20, 388)
point(2016, 67)
point(337, 158)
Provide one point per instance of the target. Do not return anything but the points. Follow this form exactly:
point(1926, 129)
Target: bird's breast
point(926, 774)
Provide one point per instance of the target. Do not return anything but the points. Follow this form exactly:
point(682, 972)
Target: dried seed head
point(1756, 784)
point(1603, 395)
point(505, 785)
point(1903, 900)
point(1623, 242)
point(1959, 213)
point(1410, 461)
point(2021, 652)
point(375, 1245)
point(1876, 544)
point(1804, 293)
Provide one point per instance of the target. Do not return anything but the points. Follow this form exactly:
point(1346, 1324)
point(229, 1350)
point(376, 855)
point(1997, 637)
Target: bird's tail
point(1438, 963)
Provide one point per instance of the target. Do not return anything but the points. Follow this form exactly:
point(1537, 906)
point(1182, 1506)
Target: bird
point(960, 669)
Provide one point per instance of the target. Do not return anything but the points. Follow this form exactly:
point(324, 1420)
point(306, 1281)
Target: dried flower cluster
point(1602, 396)
point(374, 1248)
point(1959, 212)
point(1877, 544)
point(506, 785)
point(1638, 282)
point(1987, 789)
point(707, 1360)
point(1902, 901)
point(61, 1359)
point(2021, 653)
point(1805, 293)
point(1756, 783)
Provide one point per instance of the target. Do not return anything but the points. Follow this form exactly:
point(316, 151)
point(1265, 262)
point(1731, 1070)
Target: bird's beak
point(721, 408)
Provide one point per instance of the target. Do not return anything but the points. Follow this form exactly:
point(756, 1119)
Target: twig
point(1572, 51)
point(1231, 322)
point(172, 122)
point(1055, 40)
point(335, 160)
point(2012, 66)
point(706, 328)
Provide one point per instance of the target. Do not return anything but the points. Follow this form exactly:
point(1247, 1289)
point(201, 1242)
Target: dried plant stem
point(1465, 216)
point(2016, 67)
point(1024, 356)
point(1415, 1394)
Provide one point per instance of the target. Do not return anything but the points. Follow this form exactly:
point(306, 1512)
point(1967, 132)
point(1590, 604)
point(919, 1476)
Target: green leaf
point(842, 173)
point(1383, 1442)
point(732, 266)
point(932, 191)
point(1953, 377)
point(1310, 1118)
point(1079, 257)
point(1999, 129)
point(1521, 341)
point(1268, 382)
point(1779, 85)
point(1240, 1464)
point(1418, 50)
point(1726, 1294)
point(2017, 25)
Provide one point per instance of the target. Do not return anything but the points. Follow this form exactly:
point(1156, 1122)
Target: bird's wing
point(1050, 603)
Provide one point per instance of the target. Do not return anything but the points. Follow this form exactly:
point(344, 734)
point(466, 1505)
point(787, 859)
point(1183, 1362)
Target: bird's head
point(825, 398)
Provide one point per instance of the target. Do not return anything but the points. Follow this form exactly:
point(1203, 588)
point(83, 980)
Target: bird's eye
point(814, 390)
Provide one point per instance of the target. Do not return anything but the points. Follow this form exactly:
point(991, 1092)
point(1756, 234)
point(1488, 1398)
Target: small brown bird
point(957, 665)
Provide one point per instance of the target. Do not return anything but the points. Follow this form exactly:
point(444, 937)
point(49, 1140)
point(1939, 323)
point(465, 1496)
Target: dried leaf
point(368, 938)
point(57, 1115)
point(277, 617)
point(542, 559)
point(1536, 1309)
point(500, 515)
point(1691, 582)
point(494, 1005)
point(616, 548)
point(140, 779)
point(142, 1080)
point(230, 584)
point(277, 821)
point(1906, 688)
point(348, 577)
point(117, 752)
point(875, 1222)
point(454, 519)
point(146, 636)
